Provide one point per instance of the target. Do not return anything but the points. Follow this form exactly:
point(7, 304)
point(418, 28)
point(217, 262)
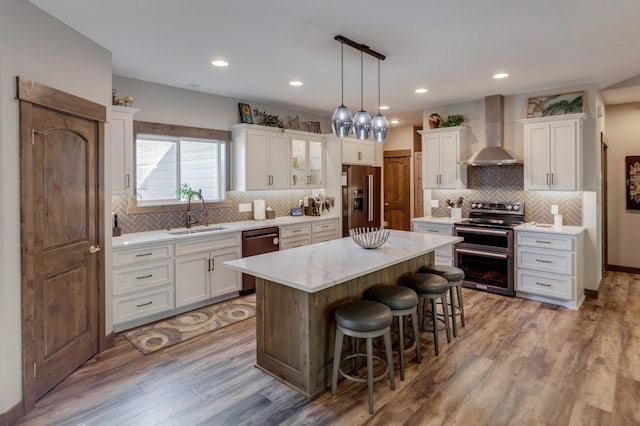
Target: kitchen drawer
point(206, 244)
point(294, 231)
point(546, 240)
point(544, 284)
point(433, 229)
point(143, 304)
point(324, 226)
point(320, 237)
point(126, 280)
point(560, 262)
point(287, 243)
point(142, 254)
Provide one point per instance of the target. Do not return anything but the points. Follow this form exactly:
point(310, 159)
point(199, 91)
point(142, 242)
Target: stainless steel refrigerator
point(361, 197)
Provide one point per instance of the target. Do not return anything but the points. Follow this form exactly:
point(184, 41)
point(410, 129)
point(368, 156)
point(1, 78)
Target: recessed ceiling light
point(395, 121)
point(295, 83)
point(421, 90)
point(384, 106)
point(220, 63)
point(500, 75)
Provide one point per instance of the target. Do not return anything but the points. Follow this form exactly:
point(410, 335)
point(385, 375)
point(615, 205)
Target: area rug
point(151, 338)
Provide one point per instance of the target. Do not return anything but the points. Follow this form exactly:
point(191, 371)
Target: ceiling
point(452, 48)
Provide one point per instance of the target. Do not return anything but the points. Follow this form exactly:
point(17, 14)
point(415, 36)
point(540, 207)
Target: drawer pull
point(543, 242)
point(297, 230)
point(144, 304)
point(433, 230)
point(543, 261)
point(299, 245)
point(144, 276)
point(143, 254)
point(325, 226)
point(543, 284)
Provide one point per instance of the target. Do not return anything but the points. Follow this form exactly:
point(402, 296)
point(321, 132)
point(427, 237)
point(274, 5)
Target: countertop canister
point(258, 210)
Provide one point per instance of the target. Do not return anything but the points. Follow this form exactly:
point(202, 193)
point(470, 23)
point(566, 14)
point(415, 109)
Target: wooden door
point(397, 189)
point(62, 229)
point(605, 200)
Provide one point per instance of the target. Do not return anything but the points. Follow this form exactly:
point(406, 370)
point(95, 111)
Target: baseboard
point(12, 416)
point(107, 341)
point(591, 294)
point(626, 269)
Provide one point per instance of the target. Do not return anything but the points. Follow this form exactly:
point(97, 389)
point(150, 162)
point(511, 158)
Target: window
point(171, 157)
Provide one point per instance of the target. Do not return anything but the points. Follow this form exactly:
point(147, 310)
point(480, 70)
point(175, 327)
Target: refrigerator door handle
point(370, 207)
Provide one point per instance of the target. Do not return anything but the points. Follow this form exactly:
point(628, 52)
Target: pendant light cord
point(342, 73)
point(378, 86)
point(361, 83)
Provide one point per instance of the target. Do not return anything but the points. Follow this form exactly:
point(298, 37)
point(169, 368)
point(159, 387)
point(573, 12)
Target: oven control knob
point(473, 205)
point(479, 205)
point(509, 207)
point(516, 207)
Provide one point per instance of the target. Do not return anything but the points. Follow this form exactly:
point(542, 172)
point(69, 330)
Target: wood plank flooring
point(517, 362)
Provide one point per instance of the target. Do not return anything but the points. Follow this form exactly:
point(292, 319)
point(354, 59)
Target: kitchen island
point(298, 291)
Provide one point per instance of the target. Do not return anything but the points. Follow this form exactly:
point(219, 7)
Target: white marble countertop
point(163, 235)
point(431, 219)
point(319, 266)
point(550, 229)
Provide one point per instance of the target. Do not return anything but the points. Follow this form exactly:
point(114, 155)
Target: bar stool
point(454, 276)
point(431, 287)
point(363, 319)
point(403, 302)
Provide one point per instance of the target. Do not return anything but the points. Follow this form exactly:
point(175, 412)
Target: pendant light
point(342, 120)
point(379, 123)
point(362, 119)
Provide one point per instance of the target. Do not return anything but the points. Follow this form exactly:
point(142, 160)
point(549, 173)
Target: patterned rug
point(151, 338)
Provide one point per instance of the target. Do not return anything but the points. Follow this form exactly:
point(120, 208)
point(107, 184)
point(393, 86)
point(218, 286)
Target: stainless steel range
point(486, 254)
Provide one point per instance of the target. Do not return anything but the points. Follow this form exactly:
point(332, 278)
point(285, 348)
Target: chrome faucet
point(190, 220)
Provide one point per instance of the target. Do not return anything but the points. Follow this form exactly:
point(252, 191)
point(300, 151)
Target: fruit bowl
point(369, 238)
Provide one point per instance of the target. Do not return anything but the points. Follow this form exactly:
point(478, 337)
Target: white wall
point(623, 134)
point(34, 46)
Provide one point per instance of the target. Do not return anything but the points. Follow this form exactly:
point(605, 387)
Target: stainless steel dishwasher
point(258, 241)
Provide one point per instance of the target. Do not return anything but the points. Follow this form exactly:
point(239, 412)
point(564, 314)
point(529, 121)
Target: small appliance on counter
point(270, 213)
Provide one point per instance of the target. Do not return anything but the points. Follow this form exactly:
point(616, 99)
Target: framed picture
point(632, 170)
point(560, 104)
point(245, 113)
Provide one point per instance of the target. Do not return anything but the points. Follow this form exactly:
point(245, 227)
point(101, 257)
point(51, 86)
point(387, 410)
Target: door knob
point(94, 249)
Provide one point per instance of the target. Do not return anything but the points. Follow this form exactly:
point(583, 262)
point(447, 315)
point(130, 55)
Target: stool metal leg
point(401, 343)
point(416, 335)
point(370, 372)
point(445, 310)
point(460, 302)
point(434, 320)
point(337, 355)
point(453, 310)
point(387, 345)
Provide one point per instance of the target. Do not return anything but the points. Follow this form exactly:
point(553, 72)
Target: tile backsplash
point(506, 183)
point(281, 201)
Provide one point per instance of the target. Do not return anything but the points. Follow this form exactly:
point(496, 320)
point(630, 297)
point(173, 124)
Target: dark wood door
point(397, 189)
point(60, 214)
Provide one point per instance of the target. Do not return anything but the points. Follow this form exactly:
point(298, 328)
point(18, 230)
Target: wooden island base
point(296, 329)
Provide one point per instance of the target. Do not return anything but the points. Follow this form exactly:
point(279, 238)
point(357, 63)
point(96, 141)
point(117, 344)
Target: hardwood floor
point(516, 362)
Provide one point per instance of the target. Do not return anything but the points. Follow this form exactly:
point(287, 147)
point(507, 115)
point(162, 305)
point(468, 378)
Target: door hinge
point(35, 370)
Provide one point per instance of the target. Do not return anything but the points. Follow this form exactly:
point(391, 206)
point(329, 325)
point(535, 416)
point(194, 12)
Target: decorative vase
point(434, 121)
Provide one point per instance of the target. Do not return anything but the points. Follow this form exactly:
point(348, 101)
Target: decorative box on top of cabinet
point(442, 150)
point(121, 125)
point(553, 152)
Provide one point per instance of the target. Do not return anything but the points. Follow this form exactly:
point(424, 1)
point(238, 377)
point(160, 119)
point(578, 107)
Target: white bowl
point(369, 238)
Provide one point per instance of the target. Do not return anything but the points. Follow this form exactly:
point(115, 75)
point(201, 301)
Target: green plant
point(452, 120)
point(270, 120)
point(185, 191)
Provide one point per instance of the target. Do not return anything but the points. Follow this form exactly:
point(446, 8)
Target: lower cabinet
point(444, 255)
point(292, 236)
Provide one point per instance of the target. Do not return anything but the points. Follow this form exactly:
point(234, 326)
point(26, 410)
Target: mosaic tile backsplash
point(281, 201)
point(506, 183)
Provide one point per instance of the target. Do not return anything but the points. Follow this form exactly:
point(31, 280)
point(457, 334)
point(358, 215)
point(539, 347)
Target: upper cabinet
point(260, 158)
point(441, 151)
point(356, 151)
point(553, 152)
point(307, 161)
point(122, 149)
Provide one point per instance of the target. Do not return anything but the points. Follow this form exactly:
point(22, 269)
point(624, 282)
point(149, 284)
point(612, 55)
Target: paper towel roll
point(258, 210)
point(557, 221)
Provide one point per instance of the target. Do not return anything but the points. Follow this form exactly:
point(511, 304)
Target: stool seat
point(450, 273)
point(426, 283)
point(394, 296)
point(363, 315)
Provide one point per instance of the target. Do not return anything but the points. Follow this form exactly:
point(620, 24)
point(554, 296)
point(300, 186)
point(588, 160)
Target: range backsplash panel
point(506, 183)
point(281, 201)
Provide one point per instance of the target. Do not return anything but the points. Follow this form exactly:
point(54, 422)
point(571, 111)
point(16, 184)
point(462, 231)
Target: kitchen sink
point(196, 231)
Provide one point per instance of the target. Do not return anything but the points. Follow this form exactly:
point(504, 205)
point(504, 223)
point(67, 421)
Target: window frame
point(177, 131)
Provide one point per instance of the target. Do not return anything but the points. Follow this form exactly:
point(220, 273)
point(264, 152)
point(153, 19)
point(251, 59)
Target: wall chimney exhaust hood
point(494, 153)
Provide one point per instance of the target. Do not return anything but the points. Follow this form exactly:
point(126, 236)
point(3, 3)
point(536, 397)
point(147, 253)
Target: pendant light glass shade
point(379, 123)
point(341, 120)
point(362, 119)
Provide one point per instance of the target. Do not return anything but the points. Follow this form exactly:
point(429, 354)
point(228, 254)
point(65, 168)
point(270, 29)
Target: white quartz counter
point(136, 238)
point(550, 229)
point(323, 265)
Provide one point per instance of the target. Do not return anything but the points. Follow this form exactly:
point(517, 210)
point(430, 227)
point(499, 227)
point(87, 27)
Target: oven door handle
point(482, 231)
point(482, 253)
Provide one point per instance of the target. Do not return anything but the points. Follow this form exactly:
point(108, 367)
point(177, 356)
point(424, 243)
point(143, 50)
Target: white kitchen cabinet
point(443, 255)
point(549, 265)
point(292, 236)
point(122, 169)
point(307, 161)
point(553, 153)
point(200, 275)
point(356, 151)
point(442, 149)
point(260, 158)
